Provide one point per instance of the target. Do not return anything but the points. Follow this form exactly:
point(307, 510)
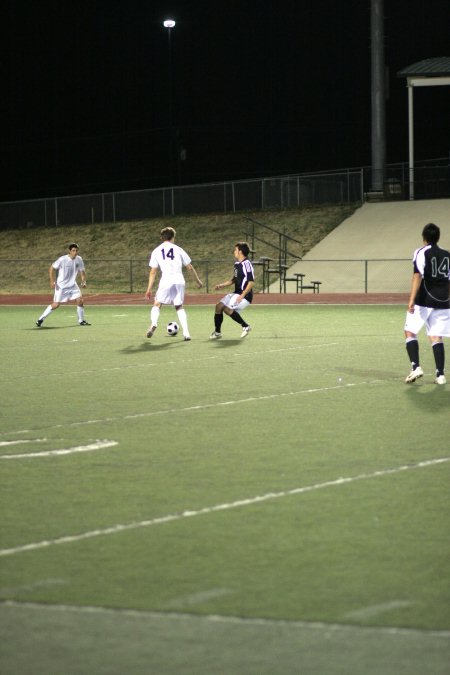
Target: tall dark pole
point(378, 95)
point(170, 24)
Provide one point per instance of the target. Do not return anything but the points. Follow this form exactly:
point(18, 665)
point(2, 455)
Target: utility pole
point(378, 89)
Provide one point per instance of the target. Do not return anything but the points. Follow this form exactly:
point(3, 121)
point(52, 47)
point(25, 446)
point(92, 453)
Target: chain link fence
point(228, 197)
point(431, 179)
point(110, 275)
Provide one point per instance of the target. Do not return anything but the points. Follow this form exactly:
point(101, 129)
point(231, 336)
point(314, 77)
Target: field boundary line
point(115, 529)
point(213, 357)
point(196, 408)
point(220, 618)
point(20, 442)
point(97, 445)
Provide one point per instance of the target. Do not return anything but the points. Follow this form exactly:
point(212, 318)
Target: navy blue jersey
point(433, 264)
point(243, 273)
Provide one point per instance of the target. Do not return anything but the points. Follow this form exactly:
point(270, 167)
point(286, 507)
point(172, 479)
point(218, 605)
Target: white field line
point(98, 445)
point(247, 354)
point(143, 615)
point(375, 610)
point(20, 442)
point(196, 408)
point(115, 529)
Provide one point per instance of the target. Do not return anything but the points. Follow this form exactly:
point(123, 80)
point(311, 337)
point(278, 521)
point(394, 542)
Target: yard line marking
point(98, 445)
point(25, 440)
point(198, 598)
point(374, 610)
point(31, 376)
point(115, 529)
point(217, 618)
point(204, 406)
point(287, 349)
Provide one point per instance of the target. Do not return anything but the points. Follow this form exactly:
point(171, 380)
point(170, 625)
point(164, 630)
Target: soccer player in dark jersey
point(429, 303)
point(233, 303)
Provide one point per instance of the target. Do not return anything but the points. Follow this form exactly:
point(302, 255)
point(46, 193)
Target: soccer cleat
point(84, 323)
point(440, 379)
point(150, 331)
point(215, 336)
point(245, 331)
point(187, 338)
point(414, 375)
point(39, 322)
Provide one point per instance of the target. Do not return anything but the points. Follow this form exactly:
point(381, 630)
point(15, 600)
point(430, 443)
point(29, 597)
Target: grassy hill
point(116, 253)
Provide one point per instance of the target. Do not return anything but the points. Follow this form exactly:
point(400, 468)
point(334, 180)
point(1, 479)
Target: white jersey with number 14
point(170, 259)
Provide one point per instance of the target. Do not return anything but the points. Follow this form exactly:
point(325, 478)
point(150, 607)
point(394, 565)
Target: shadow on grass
point(42, 328)
point(220, 344)
point(428, 398)
point(146, 347)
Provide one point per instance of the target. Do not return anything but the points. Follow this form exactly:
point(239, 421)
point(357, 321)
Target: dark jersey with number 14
point(433, 263)
point(243, 273)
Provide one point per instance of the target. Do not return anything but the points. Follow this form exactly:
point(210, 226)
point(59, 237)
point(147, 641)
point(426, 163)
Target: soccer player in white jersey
point(170, 260)
point(232, 304)
point(429, 303)
point(65, 284)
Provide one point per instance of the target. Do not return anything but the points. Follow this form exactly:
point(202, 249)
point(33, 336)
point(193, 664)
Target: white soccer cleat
point(245, 331)
point(150, 331)
point(215, 335)
point(414, 375)
point(440, 379)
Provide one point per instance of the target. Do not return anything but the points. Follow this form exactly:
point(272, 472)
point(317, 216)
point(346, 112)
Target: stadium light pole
point(169, 25)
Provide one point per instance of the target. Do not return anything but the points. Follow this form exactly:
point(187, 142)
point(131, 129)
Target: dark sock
point(218, 318)
point(412, 347)
point(238, 318)
point(439, 357)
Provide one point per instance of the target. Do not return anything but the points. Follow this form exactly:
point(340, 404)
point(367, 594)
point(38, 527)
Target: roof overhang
point(427, 81)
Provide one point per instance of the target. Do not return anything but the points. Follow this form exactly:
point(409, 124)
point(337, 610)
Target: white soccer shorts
point(66, 294)
point(436, 321)
point(170, 295)
point(230, 299)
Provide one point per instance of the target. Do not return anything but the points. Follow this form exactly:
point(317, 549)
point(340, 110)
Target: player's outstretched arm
point(224, 284)
point(193, 271)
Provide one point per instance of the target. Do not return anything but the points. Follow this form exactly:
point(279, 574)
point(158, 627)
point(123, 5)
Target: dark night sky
point(259, 88)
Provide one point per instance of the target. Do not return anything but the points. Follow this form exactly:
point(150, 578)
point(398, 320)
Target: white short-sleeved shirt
point(68, 269)
point(170, 259)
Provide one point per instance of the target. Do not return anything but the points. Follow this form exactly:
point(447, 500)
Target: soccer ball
point(172, 328)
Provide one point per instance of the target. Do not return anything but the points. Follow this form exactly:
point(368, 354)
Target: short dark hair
point(167, 233)
point(243, 247)
point(73, 245)
point(431, 233)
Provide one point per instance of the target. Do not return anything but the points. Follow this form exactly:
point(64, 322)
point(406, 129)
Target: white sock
point(154, 315)
point(80, 312)
point(45, 313)
point(182, 316)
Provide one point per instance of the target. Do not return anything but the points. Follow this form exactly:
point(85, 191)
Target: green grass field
point(272, 505)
